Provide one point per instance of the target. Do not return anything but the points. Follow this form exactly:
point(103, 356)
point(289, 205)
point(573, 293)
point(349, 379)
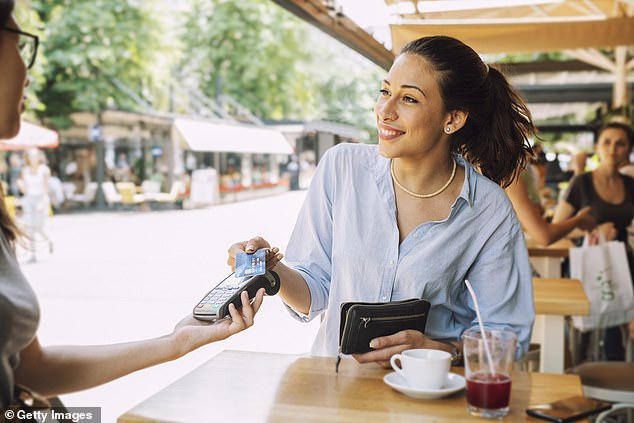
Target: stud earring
point(448, 129)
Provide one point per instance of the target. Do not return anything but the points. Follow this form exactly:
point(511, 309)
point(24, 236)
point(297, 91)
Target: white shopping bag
point(605, 274)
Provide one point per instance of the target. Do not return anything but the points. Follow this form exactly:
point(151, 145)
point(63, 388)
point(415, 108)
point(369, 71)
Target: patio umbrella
point(31, 135)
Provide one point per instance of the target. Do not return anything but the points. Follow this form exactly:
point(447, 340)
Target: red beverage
point(488, 391)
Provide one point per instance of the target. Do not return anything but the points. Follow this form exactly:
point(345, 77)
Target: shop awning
point(219, 137)
point(31, 135)
point(521, 37)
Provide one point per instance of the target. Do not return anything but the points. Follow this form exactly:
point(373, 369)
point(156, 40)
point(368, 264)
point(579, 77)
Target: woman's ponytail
point(499, 144)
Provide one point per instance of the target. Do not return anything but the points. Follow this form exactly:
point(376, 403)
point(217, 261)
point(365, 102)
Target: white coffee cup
point(423, 368)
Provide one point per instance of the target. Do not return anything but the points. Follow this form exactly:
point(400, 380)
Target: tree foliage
point(346, 95)
point(88, 44)
point(274, 64)
point(249, 50)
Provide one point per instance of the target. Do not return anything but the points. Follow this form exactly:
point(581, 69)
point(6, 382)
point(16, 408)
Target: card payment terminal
point(215, 305)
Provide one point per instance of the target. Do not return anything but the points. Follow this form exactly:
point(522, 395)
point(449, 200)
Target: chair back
point(607, 380)
point(90, 192)
point(622, 412)
point(110, 193)
point(127, 191)
point(69, 189)
point(176, 189)
point(151, 187)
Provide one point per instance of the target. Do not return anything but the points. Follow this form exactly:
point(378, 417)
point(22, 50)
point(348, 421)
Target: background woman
point(61, 369)
point(412, 217)
point(611, 196)
point(33, 183)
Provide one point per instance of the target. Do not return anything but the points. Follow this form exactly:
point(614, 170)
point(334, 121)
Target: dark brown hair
point(629, 132)
point(495, 135)
point(6, 8)
point(7, 224)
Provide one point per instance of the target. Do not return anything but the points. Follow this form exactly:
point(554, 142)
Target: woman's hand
point(273, 255)
point(631, 327)
point(586, 221)
point(386, 346)
point(191, 333)
point(608, 230)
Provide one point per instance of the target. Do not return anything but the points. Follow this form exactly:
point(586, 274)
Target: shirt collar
point(470, 175)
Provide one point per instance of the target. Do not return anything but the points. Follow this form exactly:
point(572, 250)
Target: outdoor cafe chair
point(128, 193)
point(611, 381)
point(110, 194)
point(170, 197)
point(87, 197)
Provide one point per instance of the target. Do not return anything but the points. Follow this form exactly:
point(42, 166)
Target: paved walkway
point(123, 276)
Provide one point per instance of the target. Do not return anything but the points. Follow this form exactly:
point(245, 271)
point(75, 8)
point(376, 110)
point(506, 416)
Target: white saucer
point(454, 383)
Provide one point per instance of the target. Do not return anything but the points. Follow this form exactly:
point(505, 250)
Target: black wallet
point(362, 322)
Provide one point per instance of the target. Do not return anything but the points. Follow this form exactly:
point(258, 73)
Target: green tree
point(30, 22)
point(87, 44)
point(250, 51)
point(275, 65)
point(345, 96)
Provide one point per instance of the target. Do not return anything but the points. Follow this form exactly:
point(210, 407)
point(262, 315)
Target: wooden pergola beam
point(339, 26)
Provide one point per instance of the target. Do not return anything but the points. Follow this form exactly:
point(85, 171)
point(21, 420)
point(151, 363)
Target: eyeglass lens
point(27, 49)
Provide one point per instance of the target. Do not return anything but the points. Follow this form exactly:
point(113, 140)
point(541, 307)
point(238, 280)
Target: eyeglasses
point(27, 44)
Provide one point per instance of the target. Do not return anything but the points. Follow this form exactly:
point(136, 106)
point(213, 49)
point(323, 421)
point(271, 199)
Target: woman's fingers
point(244, 317)
point(249, 309)
point(273, 255)
point(237, 321)
point(255, 244)
point(236, 248)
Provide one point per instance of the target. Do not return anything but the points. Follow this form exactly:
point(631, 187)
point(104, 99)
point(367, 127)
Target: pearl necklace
point(433, 194)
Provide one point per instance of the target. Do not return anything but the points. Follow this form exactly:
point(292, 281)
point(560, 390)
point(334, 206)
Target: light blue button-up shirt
point(346, 246)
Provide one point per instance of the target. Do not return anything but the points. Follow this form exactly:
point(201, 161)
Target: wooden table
point(547, 260)
point(548, 329)
point(555, 298)
point(238, 386)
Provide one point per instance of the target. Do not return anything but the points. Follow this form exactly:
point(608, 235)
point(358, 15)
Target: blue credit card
point(251, 264)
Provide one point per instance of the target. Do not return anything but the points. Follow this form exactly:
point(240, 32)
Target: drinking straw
point(481, 324)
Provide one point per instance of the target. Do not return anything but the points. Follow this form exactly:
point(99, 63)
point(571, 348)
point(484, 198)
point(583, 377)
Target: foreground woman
point(413, 217)
point(57, 370)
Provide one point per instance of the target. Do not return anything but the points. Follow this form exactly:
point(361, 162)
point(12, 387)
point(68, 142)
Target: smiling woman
point(413, 217)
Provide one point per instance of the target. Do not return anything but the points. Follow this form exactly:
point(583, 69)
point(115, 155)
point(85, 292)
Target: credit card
point(251, 264)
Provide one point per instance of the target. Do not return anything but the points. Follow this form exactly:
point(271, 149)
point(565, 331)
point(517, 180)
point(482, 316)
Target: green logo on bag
point(605, 284)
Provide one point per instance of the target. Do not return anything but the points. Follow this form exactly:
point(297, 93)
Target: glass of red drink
point(489, 373)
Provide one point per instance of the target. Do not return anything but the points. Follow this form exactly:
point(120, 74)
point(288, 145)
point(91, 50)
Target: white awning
point(219, 137)
point(31, 135)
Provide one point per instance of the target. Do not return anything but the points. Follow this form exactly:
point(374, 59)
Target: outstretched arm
point(62, 369)
point(541, 231)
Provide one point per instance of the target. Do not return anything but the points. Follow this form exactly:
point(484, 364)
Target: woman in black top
point(611, 196)
point(608, 192)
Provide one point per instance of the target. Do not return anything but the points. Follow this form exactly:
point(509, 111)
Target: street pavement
point(120, 276)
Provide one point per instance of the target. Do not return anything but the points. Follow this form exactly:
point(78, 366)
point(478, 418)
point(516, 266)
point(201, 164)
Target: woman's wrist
point(452, 347)
point(457, 358)
point(178, 345)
